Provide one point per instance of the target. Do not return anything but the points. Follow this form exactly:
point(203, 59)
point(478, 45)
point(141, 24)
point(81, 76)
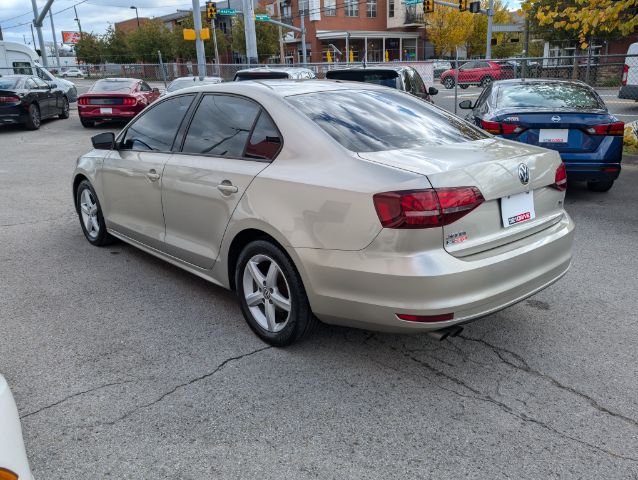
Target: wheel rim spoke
point(270, 316)
point(254, 299)
point(271, 276)
point(280, 301)
point(256, 274)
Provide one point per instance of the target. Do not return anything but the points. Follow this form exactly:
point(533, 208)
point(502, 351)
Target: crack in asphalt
point(77, 394)
point(178, 387)
point(482, 397)
point(524, 366)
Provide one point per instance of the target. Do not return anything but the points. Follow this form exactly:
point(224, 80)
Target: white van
point(629, 89)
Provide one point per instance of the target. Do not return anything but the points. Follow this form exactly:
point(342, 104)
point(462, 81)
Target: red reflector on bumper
point(611, 169)
point(426, 318)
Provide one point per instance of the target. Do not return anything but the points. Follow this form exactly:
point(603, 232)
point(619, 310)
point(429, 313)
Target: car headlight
point(6, 474)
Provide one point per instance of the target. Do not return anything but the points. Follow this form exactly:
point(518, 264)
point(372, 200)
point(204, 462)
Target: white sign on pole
point(315, 10)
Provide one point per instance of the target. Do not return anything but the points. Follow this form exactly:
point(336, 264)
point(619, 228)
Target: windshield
point(121, 86)
point(384, 78)
point(189, 82)
point(9, 83)
point(374, 120)
point(548, 95)
point(260, 76)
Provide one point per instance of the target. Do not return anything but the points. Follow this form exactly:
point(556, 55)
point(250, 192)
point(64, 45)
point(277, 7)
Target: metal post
point(526, 47)
point(282, 53)
point(55, 42)
point(43, 50)
point(212, 23)
point(199, 43)
point(159, 54)
point(303, 39)
point(588, 69)
point(490, 15)
point(77, 19)
point(365, 50)
point(456, 81)
point(249, 30)
point(347, 47)
point(32, 37)
point(1, 33)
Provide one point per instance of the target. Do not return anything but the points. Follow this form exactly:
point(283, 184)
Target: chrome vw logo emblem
point(523, 173)
point(555, 119)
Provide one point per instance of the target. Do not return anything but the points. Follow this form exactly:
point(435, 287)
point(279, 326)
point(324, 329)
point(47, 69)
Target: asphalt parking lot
point(123, 366)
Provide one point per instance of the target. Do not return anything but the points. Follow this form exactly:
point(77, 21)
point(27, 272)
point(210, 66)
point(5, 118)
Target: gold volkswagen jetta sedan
point(350, 203)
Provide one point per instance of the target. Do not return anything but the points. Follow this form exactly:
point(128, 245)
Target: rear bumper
point(629, 92)
point(367, 288)
point(12, 115)
point(96, 113)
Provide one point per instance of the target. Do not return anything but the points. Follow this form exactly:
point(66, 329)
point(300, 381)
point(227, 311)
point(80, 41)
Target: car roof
point(275, 69)
point(196, 79)
point(394, 68)
point(116, 79)
point(523, 81)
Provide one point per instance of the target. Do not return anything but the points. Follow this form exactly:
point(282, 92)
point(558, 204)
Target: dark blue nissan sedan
point(566, 116)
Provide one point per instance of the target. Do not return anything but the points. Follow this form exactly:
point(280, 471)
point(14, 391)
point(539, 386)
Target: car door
point(465, 72)
point(229, 141)
point(40, 92)
point(131, 176)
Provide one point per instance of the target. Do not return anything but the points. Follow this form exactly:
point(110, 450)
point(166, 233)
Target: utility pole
point(199, 43)
point(303, 40)
point(282, 53)
point(55, 41)
point(249, 29)
point(43, 50)
point(525, 47)
point(1, 33)
point(214, 28)
point(490, 15)
point(77, 19)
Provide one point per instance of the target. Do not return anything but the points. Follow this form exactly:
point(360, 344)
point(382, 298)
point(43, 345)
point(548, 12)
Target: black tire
point(99, 237)
point(34, 120)
point(603, 186)
point(485, 81)
point(65, 109)
point(87, 123)
point(464, 85)
point(448, 82)
point(300, 320)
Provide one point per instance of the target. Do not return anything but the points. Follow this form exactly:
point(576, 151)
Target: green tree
point(90, 49)
point(267, 37)
point(117, 48)
point(150, 37)
point(185, 49)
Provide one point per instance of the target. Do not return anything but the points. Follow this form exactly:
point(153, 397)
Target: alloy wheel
point(88, 209)
point(266, 293)
point(35, 116)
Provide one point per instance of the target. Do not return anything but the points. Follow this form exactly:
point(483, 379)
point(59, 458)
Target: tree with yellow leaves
point(448, 29)
point(585, 19)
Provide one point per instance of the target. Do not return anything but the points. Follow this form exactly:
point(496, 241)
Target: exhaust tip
point(444, 333)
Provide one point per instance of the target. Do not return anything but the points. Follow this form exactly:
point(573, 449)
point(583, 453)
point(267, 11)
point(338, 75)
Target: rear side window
point(265, 141)
point(376, 120)
point(155, 130)
point(548, 95)
point(221, 126)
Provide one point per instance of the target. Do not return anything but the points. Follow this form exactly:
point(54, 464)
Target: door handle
point(227, 188)
point(152, 175)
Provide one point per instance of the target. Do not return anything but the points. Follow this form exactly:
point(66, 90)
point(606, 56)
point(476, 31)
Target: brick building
point(371, 29)
point(130, 25)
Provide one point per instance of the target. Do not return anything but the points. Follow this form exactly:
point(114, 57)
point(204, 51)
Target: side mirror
point(433, 91)
point(156, 90)
point(466, 105)
point(53, 85)
point(104, 141)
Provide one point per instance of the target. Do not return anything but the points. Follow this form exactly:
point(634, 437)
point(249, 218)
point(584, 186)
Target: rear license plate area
point(553, 135)
point(106, 111)
point(517, 209)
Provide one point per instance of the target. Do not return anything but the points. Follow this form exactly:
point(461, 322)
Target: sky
point(95, 15)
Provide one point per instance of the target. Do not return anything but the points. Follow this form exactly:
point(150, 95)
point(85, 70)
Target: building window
point(330, 8)
point(352, 8)
point(371, 8)
point(391, 8)
point(304, 7)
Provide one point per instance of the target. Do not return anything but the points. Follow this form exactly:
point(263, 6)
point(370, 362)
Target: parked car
point(440, 67)
point(401, 78)
point(73, 72)
point(274, 73)
point(566, 116)
point(185, 82)
point(14, 464)
point(478, 72)
point(629, 88)
point(27, 100)
point(115, 99)
point(68, 87)
point(348, 202)
point(532, 68)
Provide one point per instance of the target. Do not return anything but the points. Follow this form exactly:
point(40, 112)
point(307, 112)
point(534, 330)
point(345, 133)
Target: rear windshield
point(374, 120)
point(385, 78)
point(189, 82)
point(9, 83)
point(122, 86)
point(260, 76)
point(548, 95)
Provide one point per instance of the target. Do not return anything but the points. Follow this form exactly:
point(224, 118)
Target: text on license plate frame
point(553, 135)
point(517, 208)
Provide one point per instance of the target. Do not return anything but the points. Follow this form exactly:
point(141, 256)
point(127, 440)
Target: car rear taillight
point(83, 101)
point(614, 129)
point(426, 318)
point(560, 178)
point(498, 128)
point(129, 101)
point(625, 74)
point(9, 99)
point(426, 208)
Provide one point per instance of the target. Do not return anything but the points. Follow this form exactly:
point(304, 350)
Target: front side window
point(375, 120)
point(40, 83)
point(330, 8)
point(352, 8)
point(157, 128)
point(30, 84)
point(221, 126)
point(371, 8)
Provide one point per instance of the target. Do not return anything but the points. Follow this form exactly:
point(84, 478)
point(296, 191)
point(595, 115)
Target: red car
point(478, 72)
point(115, 99)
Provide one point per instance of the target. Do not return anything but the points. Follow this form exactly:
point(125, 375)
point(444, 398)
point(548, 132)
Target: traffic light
point(463, 5)
point(428, 6)
point(211, 11)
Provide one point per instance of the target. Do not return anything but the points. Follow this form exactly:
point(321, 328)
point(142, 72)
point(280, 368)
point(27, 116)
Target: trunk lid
point(491, 165)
